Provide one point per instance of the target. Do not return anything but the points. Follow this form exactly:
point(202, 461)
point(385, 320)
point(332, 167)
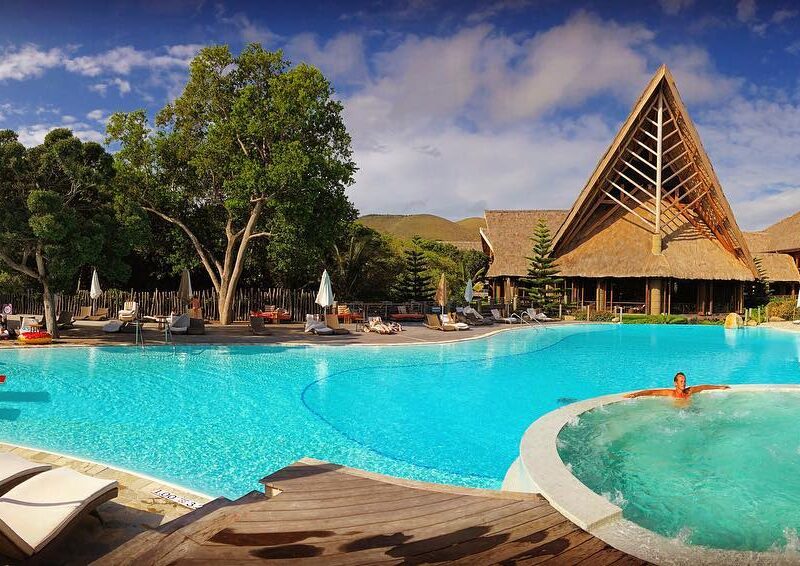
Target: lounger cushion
point(13, 467)
point(35, 511)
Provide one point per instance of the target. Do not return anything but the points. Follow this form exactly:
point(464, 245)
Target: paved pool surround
point(539, 469)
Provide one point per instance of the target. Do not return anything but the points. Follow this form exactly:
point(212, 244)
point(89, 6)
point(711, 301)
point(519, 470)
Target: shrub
point(784, 307)
point(654, 319)
point(595, 316)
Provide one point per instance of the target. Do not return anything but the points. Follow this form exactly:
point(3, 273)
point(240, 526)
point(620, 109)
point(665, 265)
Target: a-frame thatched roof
point(783, 235)
point(653, 205)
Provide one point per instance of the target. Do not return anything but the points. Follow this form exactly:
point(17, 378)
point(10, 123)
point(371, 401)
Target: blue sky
point(454, 107)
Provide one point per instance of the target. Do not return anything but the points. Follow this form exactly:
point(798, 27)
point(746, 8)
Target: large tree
point(543, 281)
point(252, 148)
point(59, 213)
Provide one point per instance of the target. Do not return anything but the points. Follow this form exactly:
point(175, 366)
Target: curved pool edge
point(539, 469)
point(139, 474)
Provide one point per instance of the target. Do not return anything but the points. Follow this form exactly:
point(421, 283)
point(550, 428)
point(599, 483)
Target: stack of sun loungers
point(39, 504)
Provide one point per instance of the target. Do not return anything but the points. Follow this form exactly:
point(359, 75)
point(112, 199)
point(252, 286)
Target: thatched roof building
point(507, 238)
point(652, 215)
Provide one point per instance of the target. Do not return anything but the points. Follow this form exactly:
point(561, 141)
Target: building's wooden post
point(711, 297)
point(656, 295)
point(600, 295)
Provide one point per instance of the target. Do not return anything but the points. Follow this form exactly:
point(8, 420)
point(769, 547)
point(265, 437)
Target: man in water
point(679, 392)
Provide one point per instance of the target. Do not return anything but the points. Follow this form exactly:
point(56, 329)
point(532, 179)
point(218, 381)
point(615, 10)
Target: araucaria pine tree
point(543, 282)
point(415, 283)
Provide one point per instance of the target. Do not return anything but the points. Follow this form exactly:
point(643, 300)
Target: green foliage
point(364, 265)
point(416, 282)
point(542, 282)
point(654, 319)
point(784, 307)
point(59, 213)
point(253, 151)
point(594, 315)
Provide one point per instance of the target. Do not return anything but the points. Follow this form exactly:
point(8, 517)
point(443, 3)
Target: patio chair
point(332, 322)
point(84, 313)
point(532, 315)
point(258, 327)
point(100, 314)
point(130, 311)
point(504, 319)
point(452, 319)
point(64, 320)
point(15, 469)
point(475, 318)
point(179, 324)
point(314, 326)
point(433, 322)
point(42, 509)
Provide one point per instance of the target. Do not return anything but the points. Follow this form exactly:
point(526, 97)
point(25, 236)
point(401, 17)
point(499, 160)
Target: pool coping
point(539, 469)
point(150, 478)
point(314, 342)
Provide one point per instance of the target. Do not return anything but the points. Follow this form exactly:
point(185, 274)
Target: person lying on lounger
point(680, 391)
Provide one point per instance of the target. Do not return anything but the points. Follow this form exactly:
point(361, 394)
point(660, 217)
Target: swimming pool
point(218, 418)
point(721, 471)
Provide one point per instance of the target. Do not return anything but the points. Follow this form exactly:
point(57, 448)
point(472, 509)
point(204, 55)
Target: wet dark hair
point(675, 379)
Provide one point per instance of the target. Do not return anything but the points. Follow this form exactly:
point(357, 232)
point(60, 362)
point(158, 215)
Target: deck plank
point(328, 514)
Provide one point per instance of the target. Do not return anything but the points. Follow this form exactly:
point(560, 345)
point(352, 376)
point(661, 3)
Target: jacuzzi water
point(720, 470)
point(218, 418)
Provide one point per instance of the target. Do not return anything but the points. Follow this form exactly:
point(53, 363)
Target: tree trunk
point(49, 309)
point(224, 305)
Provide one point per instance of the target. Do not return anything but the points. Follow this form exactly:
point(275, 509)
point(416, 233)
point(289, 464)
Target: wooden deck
point(319, 513)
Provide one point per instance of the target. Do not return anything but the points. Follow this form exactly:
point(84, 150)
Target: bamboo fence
point(154, 303)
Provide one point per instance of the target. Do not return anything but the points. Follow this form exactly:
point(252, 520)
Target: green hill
point(428, 226)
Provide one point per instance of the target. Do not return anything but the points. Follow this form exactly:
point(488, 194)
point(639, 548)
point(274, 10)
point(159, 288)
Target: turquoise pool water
point(720, 471)
point(218, 418)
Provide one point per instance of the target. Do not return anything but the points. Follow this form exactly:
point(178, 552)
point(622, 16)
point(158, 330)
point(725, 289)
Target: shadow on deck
point(320, 513)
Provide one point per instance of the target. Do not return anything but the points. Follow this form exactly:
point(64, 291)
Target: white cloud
point(783, 15)
point(672, 7)
point(755, 148)
point(101, 88)
point(97, 115)
point(123, 60)
point(67, 119)
point(746, 10)
point(34, 134)
point(492, 9)
point(27, 62)
point(341, 58)
point(249, 31)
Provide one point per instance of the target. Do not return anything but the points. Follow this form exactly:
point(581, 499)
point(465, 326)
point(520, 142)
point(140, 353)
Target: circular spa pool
point(721, 470)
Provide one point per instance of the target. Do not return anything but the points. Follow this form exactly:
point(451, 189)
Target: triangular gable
point(658, 134)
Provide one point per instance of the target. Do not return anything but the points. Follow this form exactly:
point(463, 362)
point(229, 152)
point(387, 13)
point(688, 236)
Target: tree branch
point(260, 235)
point(21, 267)
point(205, 256)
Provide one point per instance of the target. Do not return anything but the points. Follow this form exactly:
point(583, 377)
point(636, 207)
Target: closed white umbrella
point(185, 288)
point(325, 293)
point(468, 293)
point(95, 291)
point(798, 300)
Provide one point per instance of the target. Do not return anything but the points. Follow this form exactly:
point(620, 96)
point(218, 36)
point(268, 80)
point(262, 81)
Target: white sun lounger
point(314, 326)
point(505, 319)
point(43, 507)
point(179, 324)
point(15, 470)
